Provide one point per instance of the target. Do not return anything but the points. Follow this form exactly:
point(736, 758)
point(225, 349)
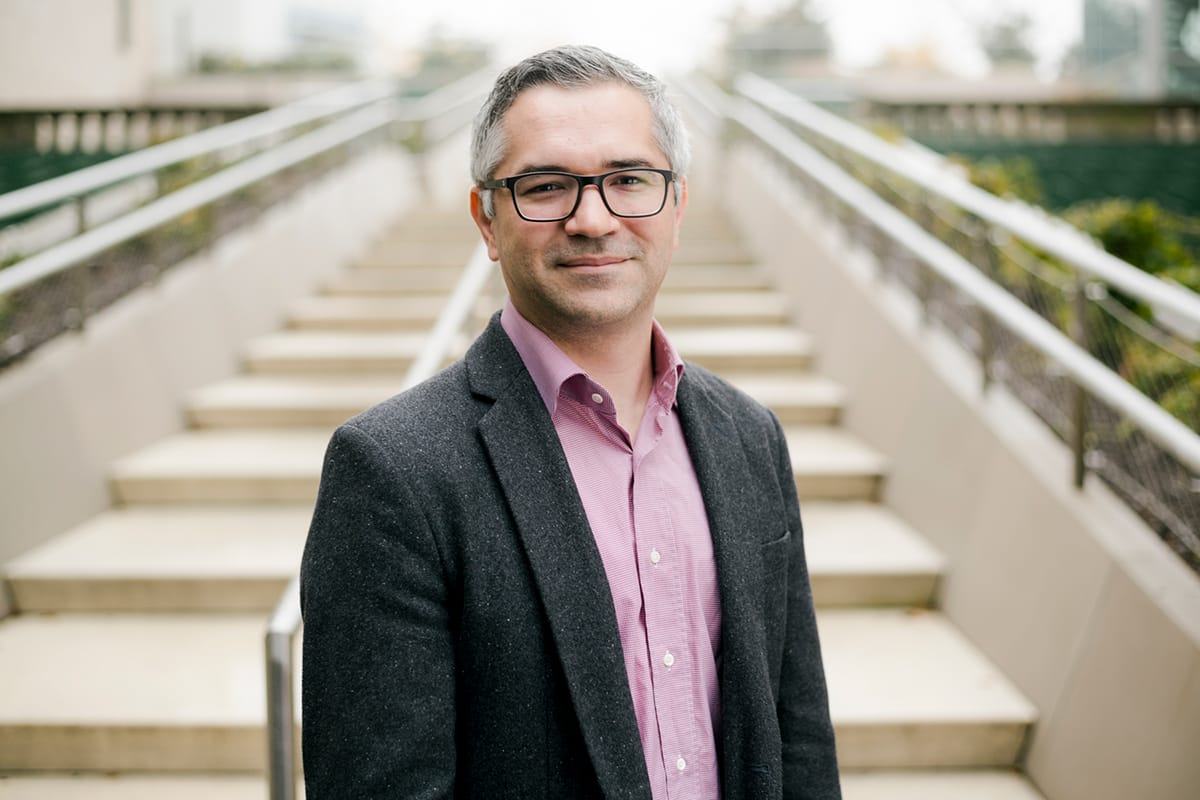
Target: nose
point(591, 218)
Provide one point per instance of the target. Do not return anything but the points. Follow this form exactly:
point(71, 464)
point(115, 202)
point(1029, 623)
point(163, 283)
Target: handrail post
point(1079, 397)
point(282, 773)
point(82, 282)
point(985, 259)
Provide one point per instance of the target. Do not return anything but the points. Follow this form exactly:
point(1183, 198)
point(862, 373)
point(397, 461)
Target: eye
point(628, 179)
point(541, 185)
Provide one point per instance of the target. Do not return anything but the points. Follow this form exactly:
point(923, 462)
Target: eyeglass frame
point(582, 181)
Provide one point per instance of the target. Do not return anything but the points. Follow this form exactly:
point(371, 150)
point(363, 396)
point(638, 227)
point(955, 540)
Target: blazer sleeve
point(378, 653)
point(810, 769)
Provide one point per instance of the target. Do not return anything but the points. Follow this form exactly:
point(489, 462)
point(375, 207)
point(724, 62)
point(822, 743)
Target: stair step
point(715, 278)
point(711, 251)
point(161, 692)
point(355, 353)
point(267, 401)
point(771, 347)
point(906, 689)
point(410, 252)
point(27, 786)
point(862, 554)
point(796, 398)
point(277, 466)
point(366, 313)
point(721, 308)
point(225, 466)
point(830, 464)
point(384, 282)
point(940, 785)
point(146, 558)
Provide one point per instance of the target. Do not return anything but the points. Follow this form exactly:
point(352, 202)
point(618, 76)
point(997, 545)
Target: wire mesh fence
point(61, 302)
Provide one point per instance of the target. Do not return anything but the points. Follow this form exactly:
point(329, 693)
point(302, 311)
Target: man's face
point(593, 272)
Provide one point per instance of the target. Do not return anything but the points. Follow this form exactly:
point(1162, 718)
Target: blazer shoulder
point(431, 411)
point(741, 407)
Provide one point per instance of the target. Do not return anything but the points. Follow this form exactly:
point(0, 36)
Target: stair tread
point(735, 340)
point(781, 389)
point(299, 452)
point(26, 786)
point(937, 785)
point(335, 343)
point(261, 391)
point(138, 666)
point(176, 542)
point(718, 304)
point(243, 452)
point(890, 666)
point(830, 450)
point(883, 667)
point(864, 538)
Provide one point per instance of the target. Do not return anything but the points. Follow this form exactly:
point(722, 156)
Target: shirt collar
point(550, 367)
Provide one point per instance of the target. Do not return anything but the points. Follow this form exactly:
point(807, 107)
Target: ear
point(680, 208)
point(483, 223)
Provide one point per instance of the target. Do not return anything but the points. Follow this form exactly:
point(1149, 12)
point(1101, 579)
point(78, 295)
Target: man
point(569, 566)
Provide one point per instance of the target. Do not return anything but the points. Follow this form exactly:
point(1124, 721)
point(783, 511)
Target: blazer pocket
point(774, 603)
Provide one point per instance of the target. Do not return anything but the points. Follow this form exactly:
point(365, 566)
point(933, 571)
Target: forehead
point(582, 129)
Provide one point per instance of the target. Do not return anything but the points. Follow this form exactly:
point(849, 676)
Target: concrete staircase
point(135, 658)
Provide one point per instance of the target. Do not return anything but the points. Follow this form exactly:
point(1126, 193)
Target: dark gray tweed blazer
point(459, 634)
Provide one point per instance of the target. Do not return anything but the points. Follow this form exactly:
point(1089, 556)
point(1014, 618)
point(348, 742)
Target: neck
point(621, 362)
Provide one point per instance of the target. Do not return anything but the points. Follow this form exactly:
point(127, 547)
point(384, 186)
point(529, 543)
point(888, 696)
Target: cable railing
point(1147, 455)
point(57, 289)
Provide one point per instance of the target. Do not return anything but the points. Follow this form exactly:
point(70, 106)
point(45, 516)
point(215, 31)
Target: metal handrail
point(1046, 233)
point(260, 126)
point(1169, 433)
point(197, 195)
point(438, 113)
point(286, 619)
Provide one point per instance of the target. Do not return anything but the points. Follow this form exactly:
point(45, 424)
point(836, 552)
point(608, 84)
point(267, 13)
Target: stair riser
point(340, 365)
point(363, 324)
point(845, 590)
point(272, 417)
point(141, 594)
point(717, 318)
point(727, 362)
point(838, 487)
point(930, 745)
point(208, 489)
point(235, 489)
point(233, 748)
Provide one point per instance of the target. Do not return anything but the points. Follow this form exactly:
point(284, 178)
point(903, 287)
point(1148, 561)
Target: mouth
point(592, 261)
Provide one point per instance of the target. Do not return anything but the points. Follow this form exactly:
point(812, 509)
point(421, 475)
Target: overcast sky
point(673, 36)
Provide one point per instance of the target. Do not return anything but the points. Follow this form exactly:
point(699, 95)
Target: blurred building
point(1141, 48)
point(62, 54)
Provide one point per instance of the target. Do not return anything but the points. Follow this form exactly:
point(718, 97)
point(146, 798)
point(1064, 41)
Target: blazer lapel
point(536, 480)
point(718, 456)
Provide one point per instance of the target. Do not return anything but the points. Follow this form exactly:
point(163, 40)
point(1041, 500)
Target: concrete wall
point(1069, 593)
point(82, 53)
point(84, 400)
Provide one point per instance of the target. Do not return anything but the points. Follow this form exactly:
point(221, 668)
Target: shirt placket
point(661, 573)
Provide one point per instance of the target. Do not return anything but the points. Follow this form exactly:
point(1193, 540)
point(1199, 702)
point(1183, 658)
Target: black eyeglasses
point(554, 196)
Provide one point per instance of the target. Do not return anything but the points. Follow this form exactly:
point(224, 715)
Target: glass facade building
point(1142, 48)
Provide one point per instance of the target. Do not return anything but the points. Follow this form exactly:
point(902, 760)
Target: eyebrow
point(625, 163)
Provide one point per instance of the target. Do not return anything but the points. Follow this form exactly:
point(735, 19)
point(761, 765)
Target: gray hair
point(572, 66)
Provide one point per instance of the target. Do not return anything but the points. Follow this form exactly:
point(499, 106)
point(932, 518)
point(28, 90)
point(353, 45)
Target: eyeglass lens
point(630, 193)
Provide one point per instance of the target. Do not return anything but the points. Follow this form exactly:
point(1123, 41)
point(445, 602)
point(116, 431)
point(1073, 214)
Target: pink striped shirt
point(646, 513)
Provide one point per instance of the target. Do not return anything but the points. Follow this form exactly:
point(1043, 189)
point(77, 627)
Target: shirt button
point(680, 764)
point(655, 556)
point(669, 659)
point(597, 398)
